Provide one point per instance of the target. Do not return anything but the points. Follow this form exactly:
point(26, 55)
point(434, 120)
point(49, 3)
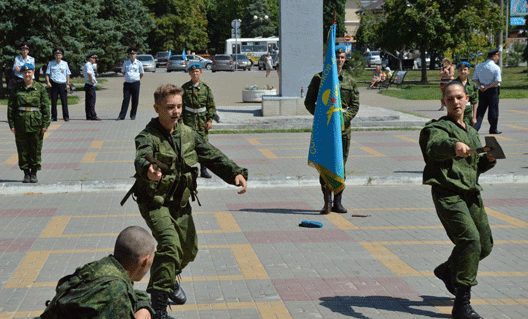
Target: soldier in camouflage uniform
point(350, 104)
point(199, 108)
point(163, 196)
point(28, 115)
point(470, 113)
point(104, 288)
point(453, 173)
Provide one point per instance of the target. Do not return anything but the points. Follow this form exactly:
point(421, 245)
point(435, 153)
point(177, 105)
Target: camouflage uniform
point(472, 92)
point(349, 101)
point(100, 289)
point(456, 194)
point(169, 216)
point(29, 124)
point(198, 97)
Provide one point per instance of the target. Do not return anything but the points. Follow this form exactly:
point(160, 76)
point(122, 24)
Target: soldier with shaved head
point(104, 288)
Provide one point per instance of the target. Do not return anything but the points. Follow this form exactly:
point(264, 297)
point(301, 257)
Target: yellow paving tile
point(371, 151)
point(97, 144)
point(516, 127)
point(274, 309)
point(248, 262)
point(253, 141)
point(267, 153)
point(227, 222)
point(28, 270)
point(389, 260)
point(504, 138)
point(53, 127)
point(506, 218)
point(55, 227)
point(340, 221)
point(406, 138)
point(13, 159)
point(520, 112)
point(89, 157)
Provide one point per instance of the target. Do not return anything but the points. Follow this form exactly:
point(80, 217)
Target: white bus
point(252, 47)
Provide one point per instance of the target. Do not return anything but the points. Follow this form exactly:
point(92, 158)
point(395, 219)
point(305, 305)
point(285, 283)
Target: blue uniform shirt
point(58, 72)
point(487, 72)
point(132, 70)
point(88, 68)
point(20, 62)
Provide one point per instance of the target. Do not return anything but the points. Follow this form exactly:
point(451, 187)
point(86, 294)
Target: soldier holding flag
point(333, 98)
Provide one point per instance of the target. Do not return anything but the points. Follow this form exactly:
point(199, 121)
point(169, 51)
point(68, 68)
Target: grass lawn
point(72, 100)
point(514, 85)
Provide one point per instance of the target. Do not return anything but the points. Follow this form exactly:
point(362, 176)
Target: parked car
point(205, 63)
point(373, 58)
point(242, 61)
point(149, 65)
point(262, 64)
point(418, 62)
point(176, 63)
point(223, 62)
point(162, 58)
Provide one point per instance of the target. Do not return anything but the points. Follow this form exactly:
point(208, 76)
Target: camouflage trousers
point(346, 148)
point(173, 228)
point(29, 148)
point(466, 224)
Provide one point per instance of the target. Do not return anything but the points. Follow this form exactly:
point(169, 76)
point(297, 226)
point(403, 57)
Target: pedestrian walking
point(90, 83)
point(22, 59)
point(105, 288)
point(453, 172)
point(58, 80)
point(199, 107)
point(470, 113)
point(488, 78)
point(350, 103)
point(133, 71)
point(163, 193)
point(29, 118)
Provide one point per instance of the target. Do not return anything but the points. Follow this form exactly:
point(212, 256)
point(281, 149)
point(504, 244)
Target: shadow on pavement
point(280, 211)
point(345, 305)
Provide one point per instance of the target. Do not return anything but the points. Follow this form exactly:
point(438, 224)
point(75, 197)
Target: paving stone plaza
point(254, 259)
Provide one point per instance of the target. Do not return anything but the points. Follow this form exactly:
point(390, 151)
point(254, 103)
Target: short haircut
point(446, 60)
point(453, 83)
point(133, 244)
point(165, 90)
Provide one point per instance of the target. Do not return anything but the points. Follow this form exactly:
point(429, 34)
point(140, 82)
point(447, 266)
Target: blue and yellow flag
point(170, 53)
point(326, 146)
point(184, 55)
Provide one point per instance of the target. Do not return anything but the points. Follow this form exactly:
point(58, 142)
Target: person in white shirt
point(89, 87)
point(58, 80)
point(22, 59)
point(133, 71)
point(488, 78)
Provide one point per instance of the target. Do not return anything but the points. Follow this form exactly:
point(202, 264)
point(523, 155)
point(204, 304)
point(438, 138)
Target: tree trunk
point(424, 63)
point(2, 90)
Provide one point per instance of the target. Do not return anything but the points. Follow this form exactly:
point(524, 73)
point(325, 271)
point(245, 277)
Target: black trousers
point(59, 89)
point(130, 89)
point(488, 99)
point(89, 103)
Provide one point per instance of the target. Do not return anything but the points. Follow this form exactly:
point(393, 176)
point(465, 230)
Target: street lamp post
point(236, 27)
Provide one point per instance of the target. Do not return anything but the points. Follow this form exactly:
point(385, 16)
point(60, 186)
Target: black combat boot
point(160, 301)
point(461, 308)
point(338, 208)
point(327, 208)
point(178, 296)
point(443, 272)
point(27, 176)
point(203, 172)
point(33, 177)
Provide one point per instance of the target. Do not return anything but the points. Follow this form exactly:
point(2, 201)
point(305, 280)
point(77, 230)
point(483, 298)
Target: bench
point(386, 84)
point(396, 78)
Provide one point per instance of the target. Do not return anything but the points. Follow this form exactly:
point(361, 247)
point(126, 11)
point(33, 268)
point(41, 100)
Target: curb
point(218, 184)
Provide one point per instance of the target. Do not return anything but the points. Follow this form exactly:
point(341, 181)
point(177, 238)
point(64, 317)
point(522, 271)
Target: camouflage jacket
point(472, 92)
point(179, 150)
point(100, 289)
point(198, 97)
point(443, 167)
point(35, 96)
point(349, 97)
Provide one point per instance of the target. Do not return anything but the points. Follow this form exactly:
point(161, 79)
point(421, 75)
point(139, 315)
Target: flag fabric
point(170, 53)
point(184, 55)
point(326, 146)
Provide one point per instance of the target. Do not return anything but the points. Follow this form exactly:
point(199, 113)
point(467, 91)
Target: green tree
point(178, 25)
point(261, 26)
point(525, 52)
point(329, 7)
point(220, 13)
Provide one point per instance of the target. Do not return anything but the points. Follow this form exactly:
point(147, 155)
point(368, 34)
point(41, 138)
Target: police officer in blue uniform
point(488, 78)
point(89, 87)
point(22, 59)
point(133, 71)
point(58, 79)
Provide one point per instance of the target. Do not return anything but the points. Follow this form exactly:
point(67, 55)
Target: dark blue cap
point(27, 67)
point(58, 50)
point(493, 52)
point(24, 45)
point(132, 50)
point(194, 66)
point(91, 55)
